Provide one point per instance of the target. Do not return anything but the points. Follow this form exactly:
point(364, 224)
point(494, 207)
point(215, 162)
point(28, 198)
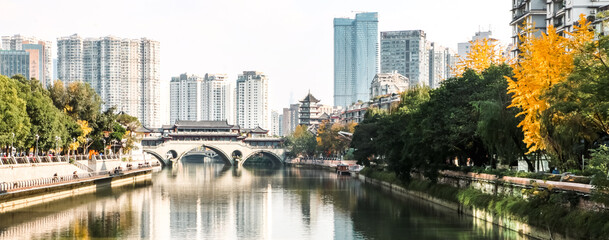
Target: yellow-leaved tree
point(544, 60)
point(482, 54)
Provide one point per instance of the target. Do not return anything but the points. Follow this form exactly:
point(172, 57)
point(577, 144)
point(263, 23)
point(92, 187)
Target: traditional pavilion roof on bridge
point(255, 130)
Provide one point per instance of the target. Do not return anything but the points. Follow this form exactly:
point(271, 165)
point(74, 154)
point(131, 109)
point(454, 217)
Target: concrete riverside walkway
point(25, 185)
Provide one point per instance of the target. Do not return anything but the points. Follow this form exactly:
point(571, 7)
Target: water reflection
point(211, 201)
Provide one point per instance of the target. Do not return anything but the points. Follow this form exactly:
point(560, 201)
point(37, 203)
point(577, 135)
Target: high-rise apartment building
point(40, 65)
point(561, 14)
point(70, 59)
point(465, 47)
point(185, 98)
point(216, 98)
point(441, 62)
point(290, 119)
point(406, 52)
point(252, 100)
point(275, 123)
point(150, 82)
point(13, 62)
point(280, 123)
point(124, 72)
point(355, 57)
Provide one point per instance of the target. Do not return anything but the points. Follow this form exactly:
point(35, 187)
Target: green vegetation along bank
point(542, 208)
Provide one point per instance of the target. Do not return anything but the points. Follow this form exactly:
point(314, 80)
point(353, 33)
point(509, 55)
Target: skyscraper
point(355, 57)
point(275, 123)
point(124, 72)
point(290, 119)
point(408, 53)
point(150, 83)
point(441, 62)
point(41, 64)
point(70, 59)
point(216, 98)
point(252, 100)
point(185, 98)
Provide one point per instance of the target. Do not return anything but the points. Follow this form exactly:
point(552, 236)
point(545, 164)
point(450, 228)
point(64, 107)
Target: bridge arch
point(225, 157)
point(275, 159)
point(157, 156)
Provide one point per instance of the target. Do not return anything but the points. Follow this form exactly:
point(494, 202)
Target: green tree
point(46, 120)
point(497, 124)
point(301, 142)
point(13, 114)
point(578, 115)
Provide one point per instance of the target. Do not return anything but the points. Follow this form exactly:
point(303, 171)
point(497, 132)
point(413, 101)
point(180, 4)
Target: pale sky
point(290, 41)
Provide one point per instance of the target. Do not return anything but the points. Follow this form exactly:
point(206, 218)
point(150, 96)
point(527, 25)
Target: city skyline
point(220, 46)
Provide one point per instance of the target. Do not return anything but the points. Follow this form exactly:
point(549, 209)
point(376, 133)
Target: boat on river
point(342, 169)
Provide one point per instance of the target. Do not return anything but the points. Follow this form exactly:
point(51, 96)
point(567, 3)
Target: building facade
point(465, 47)
point(124, 72)
point(442, 60)
point(275, 123)
point(185, 98)
point(355, 57)
point(406, 52)
point(290, 119)
point(216, 98)
point(41, 65)
point(70, 59)
point(388, 83)
point(564, 14)
point(252, 100)
point(13, 62)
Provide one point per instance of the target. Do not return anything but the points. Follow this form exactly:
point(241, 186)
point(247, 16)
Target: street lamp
point(103, 139)
point(12, 140)
point(36, 151)
point(57, 139)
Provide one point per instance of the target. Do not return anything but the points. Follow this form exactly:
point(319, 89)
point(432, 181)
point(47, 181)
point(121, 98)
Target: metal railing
point(54, 159)
point(6, 186)
point(16, 185)
point(31, 160)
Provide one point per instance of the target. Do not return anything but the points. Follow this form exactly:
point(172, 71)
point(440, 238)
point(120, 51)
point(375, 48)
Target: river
point(211, 201)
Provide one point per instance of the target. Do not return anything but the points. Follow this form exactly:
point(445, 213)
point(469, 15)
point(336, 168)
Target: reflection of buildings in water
point(207, 202)
point(81, 216)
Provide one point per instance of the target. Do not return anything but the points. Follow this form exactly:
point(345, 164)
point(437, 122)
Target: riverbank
point(544, 215)
point(27, 196)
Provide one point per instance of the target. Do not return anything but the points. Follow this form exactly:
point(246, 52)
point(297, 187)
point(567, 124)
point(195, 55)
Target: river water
point(211, 201)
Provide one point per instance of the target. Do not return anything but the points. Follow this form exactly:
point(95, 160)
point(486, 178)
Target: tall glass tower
point(355, 57)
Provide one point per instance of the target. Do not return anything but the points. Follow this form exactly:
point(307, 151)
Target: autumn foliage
point(483, 53)
point(544, 61)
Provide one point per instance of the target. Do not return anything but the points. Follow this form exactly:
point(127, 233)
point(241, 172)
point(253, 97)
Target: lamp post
point(12, 140)
point(36, 150)
point(104, 140)
point(57, 139)
point(73, 151)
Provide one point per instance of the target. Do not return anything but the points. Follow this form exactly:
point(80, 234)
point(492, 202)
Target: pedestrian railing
point(21, 160)
point(16, 185)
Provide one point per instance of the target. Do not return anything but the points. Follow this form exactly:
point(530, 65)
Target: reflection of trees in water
point(75, 216)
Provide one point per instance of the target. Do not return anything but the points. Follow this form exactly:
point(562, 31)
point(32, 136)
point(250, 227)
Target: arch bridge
point(234, 145)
